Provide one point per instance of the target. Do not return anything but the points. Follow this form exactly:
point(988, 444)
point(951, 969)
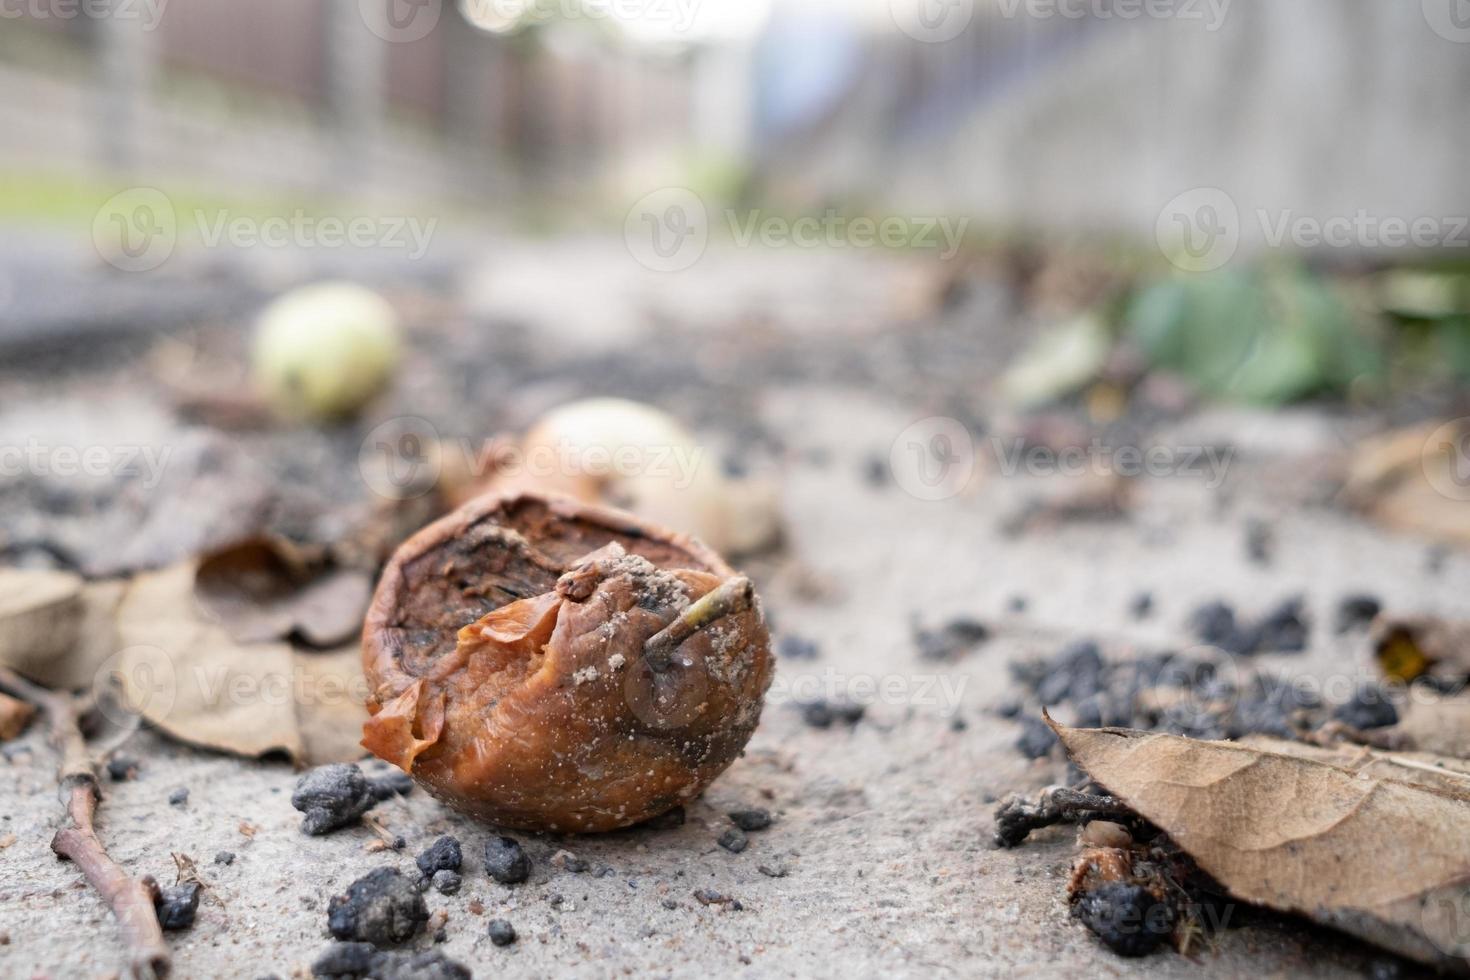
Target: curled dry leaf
point(39, 612)
point(187, 675)
point(267, 588)
point(1348, 844)
point(1396, 479)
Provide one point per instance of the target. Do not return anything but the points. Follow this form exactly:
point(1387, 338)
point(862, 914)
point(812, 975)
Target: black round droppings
point(1128, 918)
point(332, 796)
point(502, 933)
point(442, 855)
point(734, 840)
point(382, 907)
point(753, 819)
point(177, 905)
point(506, 861)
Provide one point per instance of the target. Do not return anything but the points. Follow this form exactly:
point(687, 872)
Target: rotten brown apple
point(550, 665)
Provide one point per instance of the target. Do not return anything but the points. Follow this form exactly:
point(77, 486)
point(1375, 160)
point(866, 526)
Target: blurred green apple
point(322, 351)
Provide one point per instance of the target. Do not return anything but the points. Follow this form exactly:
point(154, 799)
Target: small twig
point(1016, 817)
point(131, 899)
point(734, 595)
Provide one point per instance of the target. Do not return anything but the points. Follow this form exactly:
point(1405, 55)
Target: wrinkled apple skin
point(504, 652)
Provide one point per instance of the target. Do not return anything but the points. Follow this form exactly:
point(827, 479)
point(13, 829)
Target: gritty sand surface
point(882, 830)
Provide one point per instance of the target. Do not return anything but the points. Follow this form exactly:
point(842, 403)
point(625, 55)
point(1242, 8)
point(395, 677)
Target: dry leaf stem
point(131, 899)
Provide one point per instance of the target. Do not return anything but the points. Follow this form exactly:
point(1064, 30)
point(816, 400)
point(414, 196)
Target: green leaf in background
point(1260, 337)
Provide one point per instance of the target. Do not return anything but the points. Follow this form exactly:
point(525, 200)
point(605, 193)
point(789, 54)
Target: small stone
point(1142, 605)
point(179, 796)
point(502, 933)
point(332, 796)
point(447, 882)
point(382, 907)
point(1369, 707)
point(121, 768)
point(345, 961)
point(734, 840)
point(1104, 833)
point(791, 647)
point(773, 870)
point(952, 640)
point(506, 861)
point(224, 857)
point(822, 714)
point(750, 820)
point(393, 782)
point(177, 905)
point(1356, 611)
point(1017, 604)
point(362, 961)
point(567, 861)
point(708, 896)
point(442, 855)
point(1036, 739)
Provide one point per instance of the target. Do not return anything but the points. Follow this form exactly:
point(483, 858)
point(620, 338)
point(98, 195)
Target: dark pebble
point(1260, 542)
point(752, 819)
point(345, 961)
point(791, 647)
point(506, 861)
point(361, 961)
point(1369, 707)
point(708, 896)
point(224, 857)
point(1036, 738)
point(447, 882)
point(1356, 611)
point(394, 782)
point(734, 840)
point(952, 640)
point(442, 855)
point(179, 796)
point(121, 768)
point(1127, 918)
point(821, 714)
point(502, 933)
point(1142, 605)
point(1285, 629)
point(332, 796)
point(176, 905)
point(382, 907)
point(1017, 604)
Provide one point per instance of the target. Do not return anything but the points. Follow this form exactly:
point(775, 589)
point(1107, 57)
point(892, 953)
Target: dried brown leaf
point(189, 677)
point(1383, 858)
point(1398, 479)
point(267, 588)
point(331, 704)
point(39, 614)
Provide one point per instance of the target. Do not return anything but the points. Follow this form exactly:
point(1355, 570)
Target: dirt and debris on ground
point(890, 733)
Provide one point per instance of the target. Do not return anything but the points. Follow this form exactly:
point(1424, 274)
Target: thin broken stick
point(131, 899)
point(734, 595)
